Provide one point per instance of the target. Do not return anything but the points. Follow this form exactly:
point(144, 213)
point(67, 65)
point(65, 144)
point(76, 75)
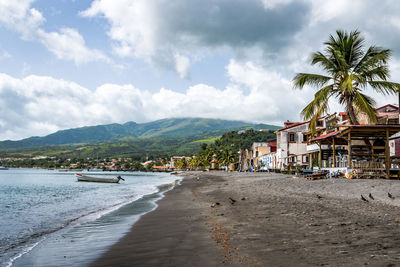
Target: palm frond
point(374, 57)
point(302, 79)
point(340, 60)
point(354, 47)
point(365, 104)
point(351, 69)
point(385, 87)
point(321, 109)
point(328, 65)
point(347, 84)
point(321, 96)
point(379, 72)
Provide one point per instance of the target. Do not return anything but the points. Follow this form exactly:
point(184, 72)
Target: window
point(293, 159)
point(305, 158)
point(320, 123)
point(292, 137)
point(304, 138)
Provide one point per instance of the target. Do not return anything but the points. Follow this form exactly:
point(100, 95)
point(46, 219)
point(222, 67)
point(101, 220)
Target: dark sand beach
point(266, 220)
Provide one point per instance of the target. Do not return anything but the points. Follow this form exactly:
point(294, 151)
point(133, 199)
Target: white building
point(292, 146)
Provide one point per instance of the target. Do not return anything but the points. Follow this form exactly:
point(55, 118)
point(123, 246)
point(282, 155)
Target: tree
point(181, 163)
point(194, 162)
point(203, 146)
point(226, 156)
point(350, 70)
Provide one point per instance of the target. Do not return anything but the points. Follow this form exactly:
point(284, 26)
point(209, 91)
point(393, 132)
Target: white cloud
point(182, 65)
point(67, 44)
point(18, 15)
point(40, 105)
point(161, 32)
point(323, 11)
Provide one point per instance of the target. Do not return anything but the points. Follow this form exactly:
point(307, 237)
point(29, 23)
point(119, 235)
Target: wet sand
point(266, 220)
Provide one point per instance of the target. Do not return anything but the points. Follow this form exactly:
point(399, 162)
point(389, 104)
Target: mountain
point(131, 131)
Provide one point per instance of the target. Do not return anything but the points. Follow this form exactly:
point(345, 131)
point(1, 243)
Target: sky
point(69, 63)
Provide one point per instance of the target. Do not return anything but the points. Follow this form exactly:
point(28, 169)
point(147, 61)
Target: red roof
point(388, 105)
point(293, 125)
point(326, 135)
point(298, 124)
point(272, 143)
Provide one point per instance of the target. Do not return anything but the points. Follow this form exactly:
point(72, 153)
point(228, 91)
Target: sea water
point(47, 218)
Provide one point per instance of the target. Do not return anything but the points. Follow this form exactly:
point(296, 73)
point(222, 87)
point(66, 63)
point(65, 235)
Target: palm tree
point(350, 70)
point(226, 156)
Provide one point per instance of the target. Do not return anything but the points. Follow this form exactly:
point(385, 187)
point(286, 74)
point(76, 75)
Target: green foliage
point(225, 149)
point(181, 164)
point(131, 132)
point(350, 70)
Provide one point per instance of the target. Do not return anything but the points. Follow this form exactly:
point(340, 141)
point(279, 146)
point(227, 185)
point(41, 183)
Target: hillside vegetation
point(161, 138)
point(133, 132)
point(224, 150)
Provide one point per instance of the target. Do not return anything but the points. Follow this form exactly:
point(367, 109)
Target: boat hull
point(84, 178)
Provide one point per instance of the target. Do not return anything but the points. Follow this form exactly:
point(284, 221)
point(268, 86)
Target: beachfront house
point(292, 149)
point(264, 154)
point(250, 159)
point(269, 161)
point(365, 147)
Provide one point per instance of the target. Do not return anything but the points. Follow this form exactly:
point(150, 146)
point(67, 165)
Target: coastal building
point(365, 147)
point(292, 147)
point(255, 156)
point(263, 154)
point(269, 161)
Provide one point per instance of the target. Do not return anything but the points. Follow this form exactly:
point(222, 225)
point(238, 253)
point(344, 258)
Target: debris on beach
point(232, 200)
point(371, 197)
point(215, 204)
point(319, 197)
point(364, 199)
point(243, 198)
point(390, 196)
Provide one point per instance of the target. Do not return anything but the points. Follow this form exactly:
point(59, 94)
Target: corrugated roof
point(326, 135)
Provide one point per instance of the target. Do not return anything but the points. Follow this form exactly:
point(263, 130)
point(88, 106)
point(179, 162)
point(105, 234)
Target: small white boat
point(85, 178)
point(3, 168)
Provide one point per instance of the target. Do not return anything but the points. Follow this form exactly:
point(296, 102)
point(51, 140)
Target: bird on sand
point(363, 198)
point(232, 200)
point(390, 195)
point(318, 196)
point(370, 196)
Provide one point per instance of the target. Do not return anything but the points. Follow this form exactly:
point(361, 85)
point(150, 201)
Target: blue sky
point(66, 63)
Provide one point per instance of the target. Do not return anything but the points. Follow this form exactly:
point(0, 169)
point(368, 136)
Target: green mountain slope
point(132, 132)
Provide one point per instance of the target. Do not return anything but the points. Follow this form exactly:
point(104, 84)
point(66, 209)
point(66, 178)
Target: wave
point(27, 244)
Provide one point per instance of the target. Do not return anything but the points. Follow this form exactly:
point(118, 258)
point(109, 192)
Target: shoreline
point(275, 220)
point(171, 235)
point(112, 219)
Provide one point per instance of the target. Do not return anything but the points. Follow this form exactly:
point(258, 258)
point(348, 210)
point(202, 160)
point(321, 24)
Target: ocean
point(47, 218)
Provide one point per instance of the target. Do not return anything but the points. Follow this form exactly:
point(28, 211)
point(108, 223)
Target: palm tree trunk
point(351, 115)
